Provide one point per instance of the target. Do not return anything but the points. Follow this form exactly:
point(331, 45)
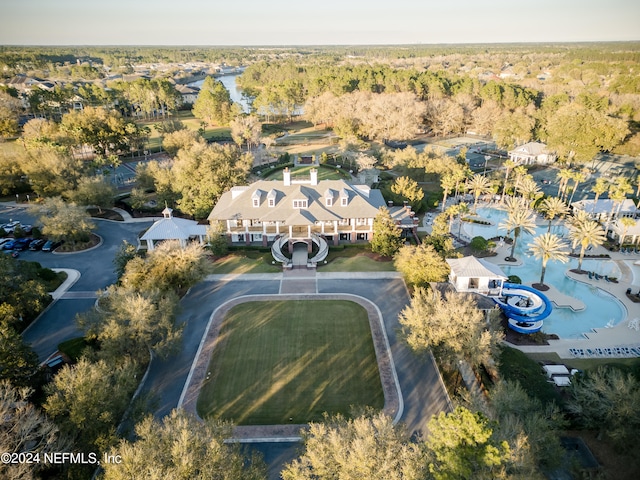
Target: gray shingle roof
point(237, 203)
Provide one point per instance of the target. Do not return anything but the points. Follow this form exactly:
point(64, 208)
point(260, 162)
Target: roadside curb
point(72, 277)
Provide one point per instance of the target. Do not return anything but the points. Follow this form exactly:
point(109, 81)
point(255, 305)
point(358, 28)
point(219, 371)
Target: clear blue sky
point(318, 22)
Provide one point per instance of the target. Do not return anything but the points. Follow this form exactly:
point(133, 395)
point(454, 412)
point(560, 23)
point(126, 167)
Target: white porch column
point(150, 245)
point(335, 227)
point(264, 228)
point(290, 231)
point(309, 231)
point(277, 228)
point(322, 227)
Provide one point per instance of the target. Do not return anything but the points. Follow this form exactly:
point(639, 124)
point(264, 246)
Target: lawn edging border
point(393, 400)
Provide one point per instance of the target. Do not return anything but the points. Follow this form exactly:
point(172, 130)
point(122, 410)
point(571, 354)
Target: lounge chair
point(597, 276)
point(606, 278)
point(590, 275)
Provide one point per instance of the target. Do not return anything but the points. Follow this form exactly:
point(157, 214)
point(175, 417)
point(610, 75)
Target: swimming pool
point(601, 308)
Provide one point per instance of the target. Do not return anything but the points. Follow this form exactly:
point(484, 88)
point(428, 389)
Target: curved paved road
point(57, 324)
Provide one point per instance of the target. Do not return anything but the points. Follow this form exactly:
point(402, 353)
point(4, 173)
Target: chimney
point(314, 176)
point(286, 177)
point(390, 203)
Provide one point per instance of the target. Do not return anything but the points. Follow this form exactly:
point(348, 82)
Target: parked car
point(51, 245)
point(22, 243)
point(10, 245)
point(37, 244)
point(27, 228)
point(3, 241)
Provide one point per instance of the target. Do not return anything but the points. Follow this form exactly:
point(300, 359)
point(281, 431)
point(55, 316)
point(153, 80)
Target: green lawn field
point(282, 362)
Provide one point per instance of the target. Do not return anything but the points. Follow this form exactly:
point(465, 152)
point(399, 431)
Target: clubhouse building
point(303, 211)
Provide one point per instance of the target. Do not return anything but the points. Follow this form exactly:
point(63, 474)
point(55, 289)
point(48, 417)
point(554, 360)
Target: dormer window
point(300, 204)
point(255, 198)
point(344, 197)
point(271, 198)
point(328, 198)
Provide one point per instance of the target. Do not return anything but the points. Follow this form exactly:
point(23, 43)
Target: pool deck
point(602, 339)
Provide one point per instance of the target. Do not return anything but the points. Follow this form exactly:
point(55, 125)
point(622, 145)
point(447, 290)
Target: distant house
point(532, 153)
point(603, 208)
point(475, 275)
point(188, 94)
point(171, 228)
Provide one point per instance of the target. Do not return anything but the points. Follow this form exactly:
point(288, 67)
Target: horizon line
point(319, 45)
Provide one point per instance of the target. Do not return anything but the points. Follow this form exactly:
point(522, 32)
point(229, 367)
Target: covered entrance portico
point(300, 255)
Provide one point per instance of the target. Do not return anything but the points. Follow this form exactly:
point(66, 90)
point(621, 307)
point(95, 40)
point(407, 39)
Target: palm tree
point(456, 211)
point(448, 183)
point(585, 232)
point(618, 193)
point(520, 219)
point(553, 207)
point(508, 165)
point(564, 175)
point(461, 173)
point(626, 223)
point(519, 173)
point(549, 246)
point(529, 189)
point(478, 185)
point(578, 177)
point(600, 187)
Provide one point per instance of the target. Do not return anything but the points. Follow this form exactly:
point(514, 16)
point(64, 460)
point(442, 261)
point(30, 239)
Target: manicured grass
point(290, 361)
point(254, 262)
point(360, 263)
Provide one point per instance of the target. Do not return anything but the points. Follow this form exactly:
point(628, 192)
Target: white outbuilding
point(475, 275)
point(171, 228)
point(532, 153)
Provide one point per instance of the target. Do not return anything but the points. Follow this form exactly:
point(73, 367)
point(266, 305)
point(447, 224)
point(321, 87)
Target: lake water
point(229, 82)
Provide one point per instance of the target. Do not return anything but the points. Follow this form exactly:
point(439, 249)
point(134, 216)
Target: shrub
point(18, 232)
point(514, 279)
point(479, 244)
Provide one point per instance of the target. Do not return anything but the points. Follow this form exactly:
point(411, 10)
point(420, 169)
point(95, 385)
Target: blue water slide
point(522, 314)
